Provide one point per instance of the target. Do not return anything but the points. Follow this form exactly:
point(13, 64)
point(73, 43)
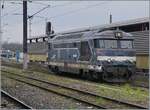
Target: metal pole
point(25, 56)
point(0, 25)
point(30, 28)
point(0, 30)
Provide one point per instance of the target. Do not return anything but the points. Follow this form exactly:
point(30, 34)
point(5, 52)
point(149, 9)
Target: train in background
point(139, 28)
point(10, 55)
point(38, 49)
point(7, 54)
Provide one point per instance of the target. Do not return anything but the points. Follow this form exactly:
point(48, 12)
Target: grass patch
point(125, 93)
point(101, 101)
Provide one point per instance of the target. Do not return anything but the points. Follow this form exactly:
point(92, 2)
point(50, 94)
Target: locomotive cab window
point(113, 44)
point(126, 43)
point(99, 43)
point(110, 43)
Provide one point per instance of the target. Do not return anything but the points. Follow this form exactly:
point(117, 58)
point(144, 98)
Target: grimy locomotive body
point(104, 55)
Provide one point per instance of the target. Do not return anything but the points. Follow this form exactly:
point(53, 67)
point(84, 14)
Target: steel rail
point(16, 100)
point(65, 95)
point(82, 91)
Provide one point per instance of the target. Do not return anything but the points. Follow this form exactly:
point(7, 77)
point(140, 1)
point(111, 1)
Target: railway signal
point(48, 28)
point(110, 19)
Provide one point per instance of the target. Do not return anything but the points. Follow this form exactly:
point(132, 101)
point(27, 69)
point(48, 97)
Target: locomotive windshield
point(124, 44)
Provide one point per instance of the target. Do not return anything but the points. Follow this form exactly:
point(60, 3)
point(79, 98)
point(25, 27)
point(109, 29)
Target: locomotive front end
point(117, 68)
point(116, 56)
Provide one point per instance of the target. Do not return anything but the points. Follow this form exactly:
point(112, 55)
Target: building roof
point(104, 26)
point(116, 24)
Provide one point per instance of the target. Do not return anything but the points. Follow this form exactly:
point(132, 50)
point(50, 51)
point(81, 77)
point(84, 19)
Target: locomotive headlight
point(118, 34)
point(109, 60)
point(99, 68)
point(95, 67)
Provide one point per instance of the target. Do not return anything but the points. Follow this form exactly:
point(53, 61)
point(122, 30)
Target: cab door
point(85, 52)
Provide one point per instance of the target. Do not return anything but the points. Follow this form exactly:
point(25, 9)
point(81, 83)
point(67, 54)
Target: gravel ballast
point(7, 103)
point(37, 98)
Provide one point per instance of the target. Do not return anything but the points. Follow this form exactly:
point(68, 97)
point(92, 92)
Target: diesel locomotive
point(107, 55)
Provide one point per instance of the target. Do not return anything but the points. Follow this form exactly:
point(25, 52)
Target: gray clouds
point(79, 15)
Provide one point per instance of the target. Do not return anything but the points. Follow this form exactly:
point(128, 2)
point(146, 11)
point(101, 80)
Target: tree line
point(12, 46)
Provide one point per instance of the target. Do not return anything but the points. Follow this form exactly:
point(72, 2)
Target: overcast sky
point(67, 15)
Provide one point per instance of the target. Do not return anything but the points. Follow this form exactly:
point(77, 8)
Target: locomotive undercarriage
point(109, 74)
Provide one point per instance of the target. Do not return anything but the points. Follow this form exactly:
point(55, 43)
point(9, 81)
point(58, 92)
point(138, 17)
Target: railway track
point(17, 101)
point(142, 85)
point(84, 97)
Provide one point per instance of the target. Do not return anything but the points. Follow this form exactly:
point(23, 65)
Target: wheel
point(105, 76)
point(81, 75)
point(56, 69)
point(89, 76)
point(50, 68)
point(128, 75)
point(95, 76)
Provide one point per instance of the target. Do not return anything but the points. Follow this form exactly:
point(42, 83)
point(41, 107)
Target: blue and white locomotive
point(108, 55)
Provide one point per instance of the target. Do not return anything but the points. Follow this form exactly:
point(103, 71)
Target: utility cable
point(74, 11)
point(77, 10)
point(7, 13)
